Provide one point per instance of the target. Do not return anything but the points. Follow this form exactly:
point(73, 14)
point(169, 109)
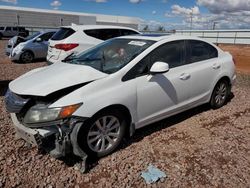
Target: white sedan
point(89, 102)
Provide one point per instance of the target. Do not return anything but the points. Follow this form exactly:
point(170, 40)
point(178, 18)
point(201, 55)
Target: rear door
point(204, 66)
point(58, 38)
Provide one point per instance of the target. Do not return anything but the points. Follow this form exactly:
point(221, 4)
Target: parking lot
point(198, 148)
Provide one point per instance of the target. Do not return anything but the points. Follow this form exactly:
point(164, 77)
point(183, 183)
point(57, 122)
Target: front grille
point(14, 103)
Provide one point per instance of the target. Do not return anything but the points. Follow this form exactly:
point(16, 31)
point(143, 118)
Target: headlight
point(41, 113)
point(19, 47)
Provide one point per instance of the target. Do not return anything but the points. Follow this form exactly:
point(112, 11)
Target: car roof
point(47, 31)
point(158, 37)
point(86, 27)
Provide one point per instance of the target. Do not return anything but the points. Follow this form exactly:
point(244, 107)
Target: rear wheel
point(27, 57)
point(220, 94)
point(1, 36)
point(102, 134)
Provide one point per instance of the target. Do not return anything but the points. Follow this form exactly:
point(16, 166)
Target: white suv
point(77, 38)
point(90, 102)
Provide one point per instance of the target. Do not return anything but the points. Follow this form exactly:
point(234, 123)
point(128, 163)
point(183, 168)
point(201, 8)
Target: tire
point(1, 36)
point(27, 57)
point(96, 139)
point(220, 94)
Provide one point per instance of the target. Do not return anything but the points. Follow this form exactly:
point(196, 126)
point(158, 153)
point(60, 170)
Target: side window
point(171, 53)
point(47, 36)
point(140, 69)
point(200, 51)
point(128, 32)
point(8, 28)
point(14, 28)
point(21, 28)
point(105, 34)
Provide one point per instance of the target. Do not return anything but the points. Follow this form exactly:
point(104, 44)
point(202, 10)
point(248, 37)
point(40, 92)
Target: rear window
point(63, 33)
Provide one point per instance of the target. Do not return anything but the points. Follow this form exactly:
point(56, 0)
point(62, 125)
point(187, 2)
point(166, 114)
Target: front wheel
point(102, 134)
point(27, 57)
point(220, 94)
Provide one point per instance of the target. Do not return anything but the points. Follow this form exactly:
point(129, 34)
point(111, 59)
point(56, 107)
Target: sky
point(170, 14)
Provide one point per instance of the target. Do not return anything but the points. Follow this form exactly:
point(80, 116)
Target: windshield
point(112, 55)
point(32, 36)
point(1, 28)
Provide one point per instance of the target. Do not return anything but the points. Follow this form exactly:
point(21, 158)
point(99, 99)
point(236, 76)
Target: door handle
point(184, 76)
point(216, 66)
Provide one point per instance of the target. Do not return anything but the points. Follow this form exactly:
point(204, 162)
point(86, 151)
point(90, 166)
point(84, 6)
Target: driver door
point(166, 93)
point(41, 47)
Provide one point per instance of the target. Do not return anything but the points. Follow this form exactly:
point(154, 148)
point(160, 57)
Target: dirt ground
point(198, 148)
point(241, 54)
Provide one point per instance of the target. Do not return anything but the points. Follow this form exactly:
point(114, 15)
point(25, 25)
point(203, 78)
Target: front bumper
point(58, 140)
point(14, 56)
point(31, 136)
point(8, 51)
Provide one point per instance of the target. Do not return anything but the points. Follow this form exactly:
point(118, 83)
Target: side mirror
point(38, 39)
point(159, 67)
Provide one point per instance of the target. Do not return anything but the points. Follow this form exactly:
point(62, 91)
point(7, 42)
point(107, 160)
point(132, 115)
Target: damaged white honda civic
point(88, 103)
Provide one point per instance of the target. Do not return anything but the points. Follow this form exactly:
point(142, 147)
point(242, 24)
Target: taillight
point(66, 47)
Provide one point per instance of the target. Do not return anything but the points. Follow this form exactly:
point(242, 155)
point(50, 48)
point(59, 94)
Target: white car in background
point(70, 40)
point(91, 101)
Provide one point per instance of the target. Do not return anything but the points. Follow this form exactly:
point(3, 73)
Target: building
point(42, 18)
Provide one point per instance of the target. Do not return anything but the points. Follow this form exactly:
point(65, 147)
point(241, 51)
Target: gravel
point(197, 148)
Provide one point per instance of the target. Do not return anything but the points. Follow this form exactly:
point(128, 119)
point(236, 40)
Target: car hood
point(46, 80)
point(14, 41)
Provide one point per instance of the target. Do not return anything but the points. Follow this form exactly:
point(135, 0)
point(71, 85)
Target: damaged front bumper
point(58, 140)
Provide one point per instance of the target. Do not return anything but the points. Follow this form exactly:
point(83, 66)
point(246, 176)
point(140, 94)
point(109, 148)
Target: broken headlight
point(41, 113)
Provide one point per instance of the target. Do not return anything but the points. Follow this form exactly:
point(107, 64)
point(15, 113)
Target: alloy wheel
point(104, 133)
point(27, 57)
point(220, 93)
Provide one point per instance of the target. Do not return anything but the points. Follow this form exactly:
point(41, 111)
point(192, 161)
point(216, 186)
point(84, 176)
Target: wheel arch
point(26, 50)
point(125, 111)
point(29, 50)
point(222, 77)
point(226, 78)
